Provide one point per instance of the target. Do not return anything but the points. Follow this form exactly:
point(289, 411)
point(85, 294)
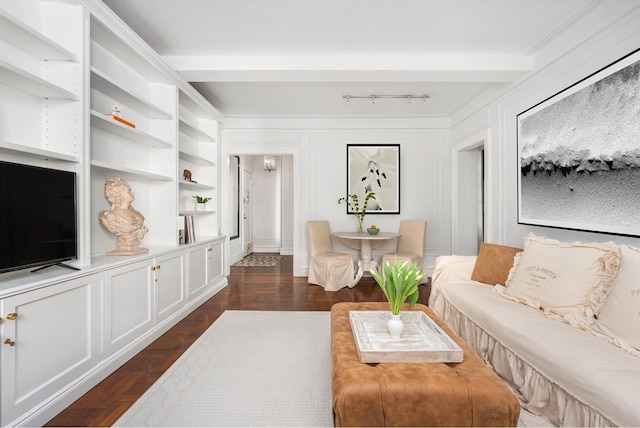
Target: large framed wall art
point(579, 154)
point(375, 168)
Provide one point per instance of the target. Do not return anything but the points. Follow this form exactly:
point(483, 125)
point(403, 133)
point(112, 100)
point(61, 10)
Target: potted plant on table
point(353, 202)
point(399, 283)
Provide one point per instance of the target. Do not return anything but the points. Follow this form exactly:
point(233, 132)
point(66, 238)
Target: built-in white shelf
point(195, 133)
point(130, 171)
point(196, 159)
point(103, 83)
point(195, 186)
point(106, 123)
point(197, 213)
point(35, 152)
point(32, 41)
point(29, 83)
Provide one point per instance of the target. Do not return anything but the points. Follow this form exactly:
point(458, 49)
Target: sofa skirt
point(537, 394)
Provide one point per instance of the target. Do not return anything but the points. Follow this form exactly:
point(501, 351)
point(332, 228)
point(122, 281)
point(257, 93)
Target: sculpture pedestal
point(127, 251)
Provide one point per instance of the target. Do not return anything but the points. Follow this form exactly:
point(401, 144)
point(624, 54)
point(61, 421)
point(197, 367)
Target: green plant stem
point(353, 203)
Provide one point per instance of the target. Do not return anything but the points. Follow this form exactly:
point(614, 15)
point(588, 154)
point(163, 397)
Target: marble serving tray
point(421, 341)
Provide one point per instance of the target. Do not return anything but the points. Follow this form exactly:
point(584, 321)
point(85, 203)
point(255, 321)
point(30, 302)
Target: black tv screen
point(37, 216)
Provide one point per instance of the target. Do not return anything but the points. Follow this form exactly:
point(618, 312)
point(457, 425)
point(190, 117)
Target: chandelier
point(269, 163)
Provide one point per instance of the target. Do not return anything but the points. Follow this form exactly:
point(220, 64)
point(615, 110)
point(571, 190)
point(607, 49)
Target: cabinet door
point(128, 300)
point(169, 284)
point(214, 262)
point(49, 338)
point(197, 270)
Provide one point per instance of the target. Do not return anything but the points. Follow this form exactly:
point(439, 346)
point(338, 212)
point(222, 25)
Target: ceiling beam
point(439, 68)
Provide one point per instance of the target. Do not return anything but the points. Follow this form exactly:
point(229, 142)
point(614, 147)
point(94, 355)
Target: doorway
point(294, 210)
point(266, 207)
point(246, 210)
point(469, 205)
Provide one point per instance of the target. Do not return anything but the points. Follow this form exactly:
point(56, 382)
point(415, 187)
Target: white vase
point(395, 325)
point(201, 207)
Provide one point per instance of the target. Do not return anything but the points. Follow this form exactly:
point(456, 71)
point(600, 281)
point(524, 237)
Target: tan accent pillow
point(493, 263)
point(564, 278)
point(620, 315)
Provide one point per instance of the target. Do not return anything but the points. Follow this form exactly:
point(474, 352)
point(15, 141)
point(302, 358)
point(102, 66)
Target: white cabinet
point(169, 284)
point(127, 306)
point(62, 337)
point(140, 295)
point(197, 278)
point(49, 338)
point(205, 267)
point(215, 261)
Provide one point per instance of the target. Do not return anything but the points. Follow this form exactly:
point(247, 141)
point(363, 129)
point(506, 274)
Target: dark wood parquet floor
point(250, 288)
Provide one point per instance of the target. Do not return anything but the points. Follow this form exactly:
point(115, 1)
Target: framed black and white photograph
point(579, 154)
point(375, 168)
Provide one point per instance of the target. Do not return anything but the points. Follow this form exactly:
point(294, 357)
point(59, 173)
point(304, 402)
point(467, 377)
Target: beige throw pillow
point(493, 263)
point(620, 315)
point(563, 278)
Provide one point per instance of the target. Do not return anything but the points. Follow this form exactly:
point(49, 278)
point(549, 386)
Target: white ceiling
point(299, 57)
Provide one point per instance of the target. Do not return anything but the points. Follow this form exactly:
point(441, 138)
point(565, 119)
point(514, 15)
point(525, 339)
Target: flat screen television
point(37, 217)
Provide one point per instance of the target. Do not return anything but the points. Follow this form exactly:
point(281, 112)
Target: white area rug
point(250, 368)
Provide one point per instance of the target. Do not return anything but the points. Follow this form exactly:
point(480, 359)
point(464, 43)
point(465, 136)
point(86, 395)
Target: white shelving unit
point(145, 156)
point(45, 155)
point(198, 152)
point(32, 84)
point(106, 123)
point(41, 87)
point(63, 65)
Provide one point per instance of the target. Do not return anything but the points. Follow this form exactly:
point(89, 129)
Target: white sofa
point(563, 373)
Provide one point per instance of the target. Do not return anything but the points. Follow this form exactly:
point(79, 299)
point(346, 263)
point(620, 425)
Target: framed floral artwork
point(375, 168)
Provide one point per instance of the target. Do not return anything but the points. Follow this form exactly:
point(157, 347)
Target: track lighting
point(373, 98)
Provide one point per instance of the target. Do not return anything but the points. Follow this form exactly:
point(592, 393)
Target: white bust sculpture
point(122, 220)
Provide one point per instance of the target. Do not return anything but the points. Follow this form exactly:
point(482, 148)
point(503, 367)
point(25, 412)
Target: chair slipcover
point(328, 269)
point(410, 245)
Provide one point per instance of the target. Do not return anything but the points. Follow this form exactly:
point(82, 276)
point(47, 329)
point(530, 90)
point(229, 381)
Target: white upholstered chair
point(410, 245)
point(331, 270)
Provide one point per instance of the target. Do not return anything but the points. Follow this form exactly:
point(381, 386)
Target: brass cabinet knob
point(12, 316)
point(9, 342)
point(209, 249)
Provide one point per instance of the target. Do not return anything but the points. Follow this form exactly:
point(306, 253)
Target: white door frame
point(253, 148)
point(460, 165)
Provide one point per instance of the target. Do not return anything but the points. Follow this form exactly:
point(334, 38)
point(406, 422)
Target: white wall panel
point(559, 66)
point(424, 176)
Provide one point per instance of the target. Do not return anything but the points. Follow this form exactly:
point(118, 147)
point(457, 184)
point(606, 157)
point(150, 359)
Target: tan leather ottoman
point(413, 394)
